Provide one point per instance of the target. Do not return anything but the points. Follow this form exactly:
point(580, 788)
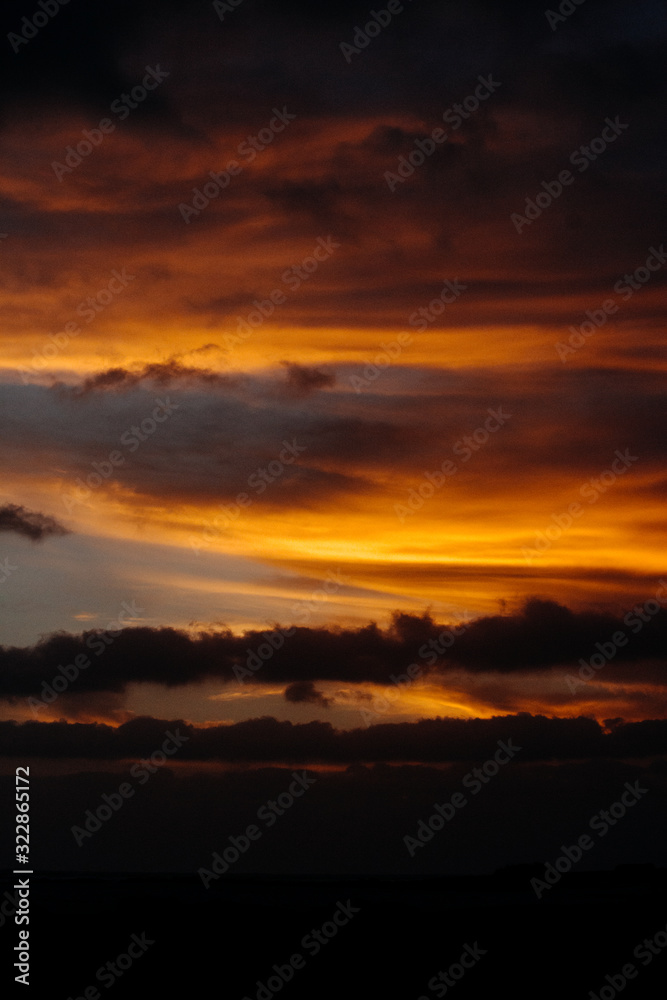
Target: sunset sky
point(376, 383)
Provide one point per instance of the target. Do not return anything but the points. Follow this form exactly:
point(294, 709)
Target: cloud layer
point(543, 635)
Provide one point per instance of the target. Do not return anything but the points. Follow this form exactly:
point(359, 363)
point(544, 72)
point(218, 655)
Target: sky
point(328, 355)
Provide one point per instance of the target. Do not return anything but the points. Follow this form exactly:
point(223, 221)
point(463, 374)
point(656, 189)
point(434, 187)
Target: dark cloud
point(541, 636)
point(557, 88)
point(435, 741)
point(29, 523)
point(221, 431)
point(227, 426)
point(305, 691)
point(161, 373)
point(301, 380)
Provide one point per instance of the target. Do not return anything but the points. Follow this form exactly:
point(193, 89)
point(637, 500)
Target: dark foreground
point(154, 936)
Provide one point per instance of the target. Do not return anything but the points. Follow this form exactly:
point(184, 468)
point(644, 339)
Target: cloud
point(29, 523)
point(161, 373)
point(353, 122)
point(301, 380)
point(535, 639)
point(433, 741)
point(369, 450)
point(305, 691)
